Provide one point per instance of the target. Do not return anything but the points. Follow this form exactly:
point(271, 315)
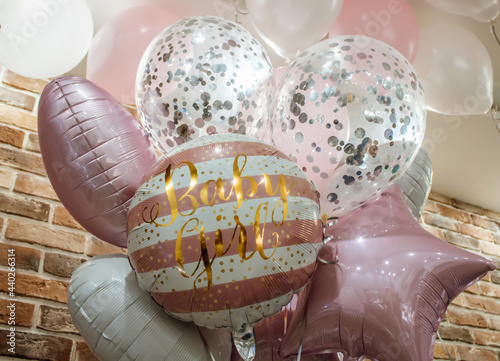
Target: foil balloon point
point(389, 291)
point(351, 111)
point(203, 76)
point(93, 150)
point(223, 233)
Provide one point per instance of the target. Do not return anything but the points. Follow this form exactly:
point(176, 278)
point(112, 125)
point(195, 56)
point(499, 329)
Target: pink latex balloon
point(391, 21)
point(118, 47)
point(390, 289)
point(95, 154)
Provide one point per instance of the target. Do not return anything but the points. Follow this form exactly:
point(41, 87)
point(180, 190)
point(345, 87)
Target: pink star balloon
point(386, 296)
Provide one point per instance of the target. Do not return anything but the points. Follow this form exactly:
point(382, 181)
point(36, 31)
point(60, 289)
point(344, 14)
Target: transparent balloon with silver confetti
point(351, 112)
point(203, 76)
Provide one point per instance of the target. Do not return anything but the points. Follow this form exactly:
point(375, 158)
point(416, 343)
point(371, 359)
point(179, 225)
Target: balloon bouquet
point(223, 231)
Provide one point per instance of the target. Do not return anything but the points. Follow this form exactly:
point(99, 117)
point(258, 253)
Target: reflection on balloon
point(416, 182)
point(223, 233)
point(455, 69)
point(351, 112)
point(392, 22)
point(203, 75)
point(118, 46)
point(481, 10)
point(94, 152)
point(34, 32)
point(119, 320)
point(282, 23)
point(390, 289)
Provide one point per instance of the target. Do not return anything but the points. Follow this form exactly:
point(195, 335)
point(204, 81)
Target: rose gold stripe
point(234, 295)
point(162, 255)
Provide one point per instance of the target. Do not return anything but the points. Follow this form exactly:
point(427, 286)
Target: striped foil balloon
point(225, 231)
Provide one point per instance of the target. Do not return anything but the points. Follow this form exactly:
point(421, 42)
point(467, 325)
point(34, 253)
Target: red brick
point(60, 264)
point(431, 206)
point(33, 143)
point(21, 82)
point(486, 337)
point(56, 319)
point(97, 247)
point(455, 333)
point(6, 178)
point(439, 221)
point(492, 215)
point(19, 159)
point(470, 353)
point(23, 206)
point(45, 235)
point(83, 353)
point(490, 249)
point(37, 347)
point(23, 312)
point(474, 289)
point(440, 353)
point(25, 257)
point(489, 289)
point(17, 99)
point(485, 223)
point(480, 303)
point(18, 118)
point(35, 186)
point(476, 232)
point(12, 136)
point(494, 275)
point(461, 240)
point(460, 316)
point(434, 231)
point(467, 207)
point(63, 218)
point(433, 196)
point(35, 286)
point(454, 213)
point(493, 322)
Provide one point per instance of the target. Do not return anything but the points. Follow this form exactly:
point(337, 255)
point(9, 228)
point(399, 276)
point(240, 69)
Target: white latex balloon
point(455, 69)
point(43, 39)
point(290, 26)
point(416, 182)
point(481, 10)
point(121, 322)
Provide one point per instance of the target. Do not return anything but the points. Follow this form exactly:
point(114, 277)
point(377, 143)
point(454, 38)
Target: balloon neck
point(244, 340)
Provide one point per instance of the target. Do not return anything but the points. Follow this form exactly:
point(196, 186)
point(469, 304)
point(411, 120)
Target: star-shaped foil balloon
point(387, 294)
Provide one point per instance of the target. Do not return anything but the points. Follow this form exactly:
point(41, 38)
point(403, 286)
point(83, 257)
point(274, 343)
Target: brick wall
point(471, 329)
point(49, 244)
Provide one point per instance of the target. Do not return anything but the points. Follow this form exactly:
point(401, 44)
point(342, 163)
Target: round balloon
point(392, 22)
point(203, 75)
point(223, 232)
point(456, 70)
point(351, 112)
point(118, 46)
point(33, 34)
point(281, 23)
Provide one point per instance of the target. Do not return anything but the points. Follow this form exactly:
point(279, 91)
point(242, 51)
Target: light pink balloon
point(391, 21)
point(389, 291)
point(118, 47)
point(95, 154)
